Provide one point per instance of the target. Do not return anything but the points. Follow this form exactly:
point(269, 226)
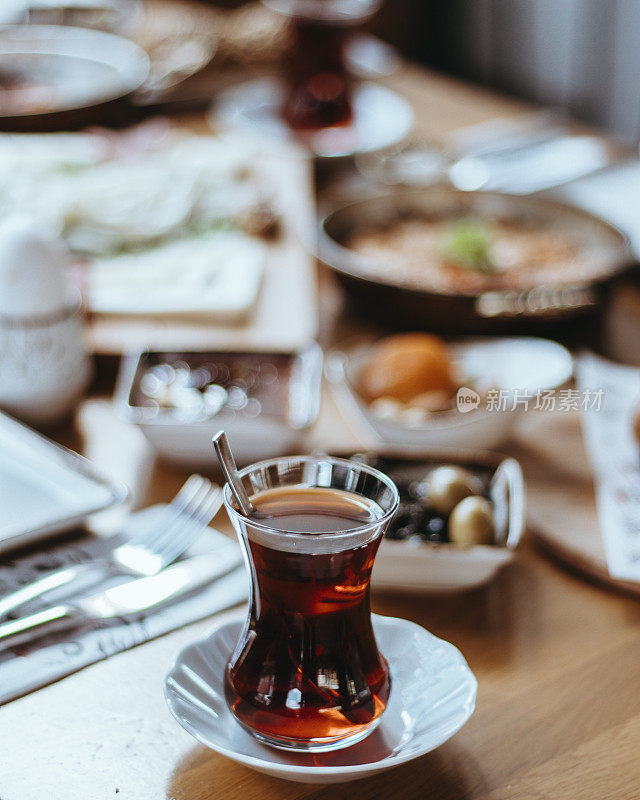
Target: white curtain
point(583, 55)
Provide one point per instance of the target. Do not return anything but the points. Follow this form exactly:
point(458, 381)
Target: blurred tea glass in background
point(319, 83)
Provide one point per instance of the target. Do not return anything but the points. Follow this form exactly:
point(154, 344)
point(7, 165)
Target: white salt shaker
point(44, 367)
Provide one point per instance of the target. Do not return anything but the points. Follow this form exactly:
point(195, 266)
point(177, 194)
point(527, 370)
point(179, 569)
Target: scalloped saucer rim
point(381, 118)
point(405, 743)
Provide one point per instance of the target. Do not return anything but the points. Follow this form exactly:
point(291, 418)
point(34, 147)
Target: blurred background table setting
point(394, 233)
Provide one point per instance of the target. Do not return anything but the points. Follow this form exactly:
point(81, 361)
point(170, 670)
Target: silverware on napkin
point(176, 528)
point(531, 166)
point(123, 601)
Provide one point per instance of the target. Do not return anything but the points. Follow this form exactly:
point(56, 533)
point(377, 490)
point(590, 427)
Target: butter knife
point(125, 600)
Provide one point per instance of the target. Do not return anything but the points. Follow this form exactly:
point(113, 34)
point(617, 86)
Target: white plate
point(433, 694)
point(45, 488)
point(69, 68)
point(523, 364)
point(380, 118)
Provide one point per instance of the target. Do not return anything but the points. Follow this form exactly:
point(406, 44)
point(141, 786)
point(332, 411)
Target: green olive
point(471, 522)
point(446, 486)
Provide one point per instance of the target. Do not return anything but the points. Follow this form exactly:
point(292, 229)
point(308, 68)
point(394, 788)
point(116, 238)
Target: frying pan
point(537, 308)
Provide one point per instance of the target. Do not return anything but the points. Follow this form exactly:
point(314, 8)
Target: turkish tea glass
point(319, 86)
point(306, 673)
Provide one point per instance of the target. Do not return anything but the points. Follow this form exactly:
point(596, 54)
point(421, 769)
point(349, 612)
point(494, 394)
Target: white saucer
point(433, 694)
point(381, 118)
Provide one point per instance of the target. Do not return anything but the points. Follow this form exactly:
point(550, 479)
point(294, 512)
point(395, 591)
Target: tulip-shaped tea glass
point(319, 82)
point(306, 673)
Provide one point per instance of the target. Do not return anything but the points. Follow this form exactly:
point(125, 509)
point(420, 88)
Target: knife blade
point(124, 600)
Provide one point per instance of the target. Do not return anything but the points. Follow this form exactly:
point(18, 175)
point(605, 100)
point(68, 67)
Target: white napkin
point(27, 668)
point(615, 458)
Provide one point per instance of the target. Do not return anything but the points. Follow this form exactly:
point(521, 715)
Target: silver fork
point(179, 524)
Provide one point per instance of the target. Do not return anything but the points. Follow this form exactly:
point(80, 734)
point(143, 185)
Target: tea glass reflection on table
point(306, 673)
point(319, 85)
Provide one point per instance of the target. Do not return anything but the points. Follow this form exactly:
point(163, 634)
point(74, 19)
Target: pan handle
point(543, 301)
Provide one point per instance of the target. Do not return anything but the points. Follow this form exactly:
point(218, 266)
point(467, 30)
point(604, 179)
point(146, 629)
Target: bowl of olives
point(460, 518)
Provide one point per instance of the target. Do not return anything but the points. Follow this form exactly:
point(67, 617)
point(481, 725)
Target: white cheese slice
point(217, 275)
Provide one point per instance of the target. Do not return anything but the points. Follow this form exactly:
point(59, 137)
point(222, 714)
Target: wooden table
point(558, 712)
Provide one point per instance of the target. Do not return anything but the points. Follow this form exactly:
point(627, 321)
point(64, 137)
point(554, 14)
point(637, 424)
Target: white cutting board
point(286, 313)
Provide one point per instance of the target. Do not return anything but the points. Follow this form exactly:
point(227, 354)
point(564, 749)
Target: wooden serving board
point(286, 314)
point(561, 508)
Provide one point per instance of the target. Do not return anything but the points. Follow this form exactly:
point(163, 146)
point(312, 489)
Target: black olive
point(435, 526)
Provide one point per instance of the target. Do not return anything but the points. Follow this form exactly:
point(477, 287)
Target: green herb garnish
point(467, 242)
